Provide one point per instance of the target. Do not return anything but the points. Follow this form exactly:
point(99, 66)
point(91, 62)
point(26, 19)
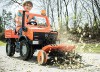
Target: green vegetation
point(2, 43)
point(88, 48)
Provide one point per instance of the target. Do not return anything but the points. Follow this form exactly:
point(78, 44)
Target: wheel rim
point(24, 49)
point(42, 57)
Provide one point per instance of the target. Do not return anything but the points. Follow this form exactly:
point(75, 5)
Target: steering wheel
point(32, 23)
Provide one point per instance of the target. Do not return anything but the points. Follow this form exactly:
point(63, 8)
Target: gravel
point(16, 64)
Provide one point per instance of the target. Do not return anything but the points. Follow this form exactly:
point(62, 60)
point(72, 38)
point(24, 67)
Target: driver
point(27, 7)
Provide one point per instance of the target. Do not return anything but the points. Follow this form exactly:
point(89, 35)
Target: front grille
point(38, 35)
point(46, 38)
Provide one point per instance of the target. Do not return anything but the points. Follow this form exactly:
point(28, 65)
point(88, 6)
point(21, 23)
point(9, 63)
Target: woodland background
point(78, 18)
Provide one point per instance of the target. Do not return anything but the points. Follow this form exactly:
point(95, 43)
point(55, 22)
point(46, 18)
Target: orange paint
point(42, 57)
point(61, 47)
point(10, 34)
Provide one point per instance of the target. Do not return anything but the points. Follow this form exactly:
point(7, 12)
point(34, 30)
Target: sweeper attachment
point(59, 54)
point(38, 35)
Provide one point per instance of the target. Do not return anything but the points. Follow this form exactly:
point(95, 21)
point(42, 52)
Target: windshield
point(40, 20)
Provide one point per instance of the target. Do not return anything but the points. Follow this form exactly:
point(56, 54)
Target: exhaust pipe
point(23, 22)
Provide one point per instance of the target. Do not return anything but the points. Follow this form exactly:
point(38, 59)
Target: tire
point(31, 53)
point(42, 57)
point(10, 48)
point(25, 50)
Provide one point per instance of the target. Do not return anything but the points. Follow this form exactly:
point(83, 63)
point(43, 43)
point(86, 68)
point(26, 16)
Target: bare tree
point(97, 5)
point(66, 12)
point(75, 13)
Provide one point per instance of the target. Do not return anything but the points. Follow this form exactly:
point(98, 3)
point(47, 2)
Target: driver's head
point(27, 5)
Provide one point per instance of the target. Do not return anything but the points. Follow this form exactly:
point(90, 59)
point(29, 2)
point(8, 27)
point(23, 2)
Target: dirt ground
point(15, 64)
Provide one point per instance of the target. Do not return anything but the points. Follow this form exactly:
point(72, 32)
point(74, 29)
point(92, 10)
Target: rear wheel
point(10, 48)
point(25, 50)
point(42, 57)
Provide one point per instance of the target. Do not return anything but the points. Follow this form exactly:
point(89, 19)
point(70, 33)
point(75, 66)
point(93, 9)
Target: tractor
point(39, 36)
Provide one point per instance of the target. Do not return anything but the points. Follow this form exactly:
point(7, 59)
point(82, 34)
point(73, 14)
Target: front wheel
point(10, 48)
point(25, 50)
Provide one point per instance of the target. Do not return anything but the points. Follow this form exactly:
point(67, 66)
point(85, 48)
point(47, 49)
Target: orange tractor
point(39, 36)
